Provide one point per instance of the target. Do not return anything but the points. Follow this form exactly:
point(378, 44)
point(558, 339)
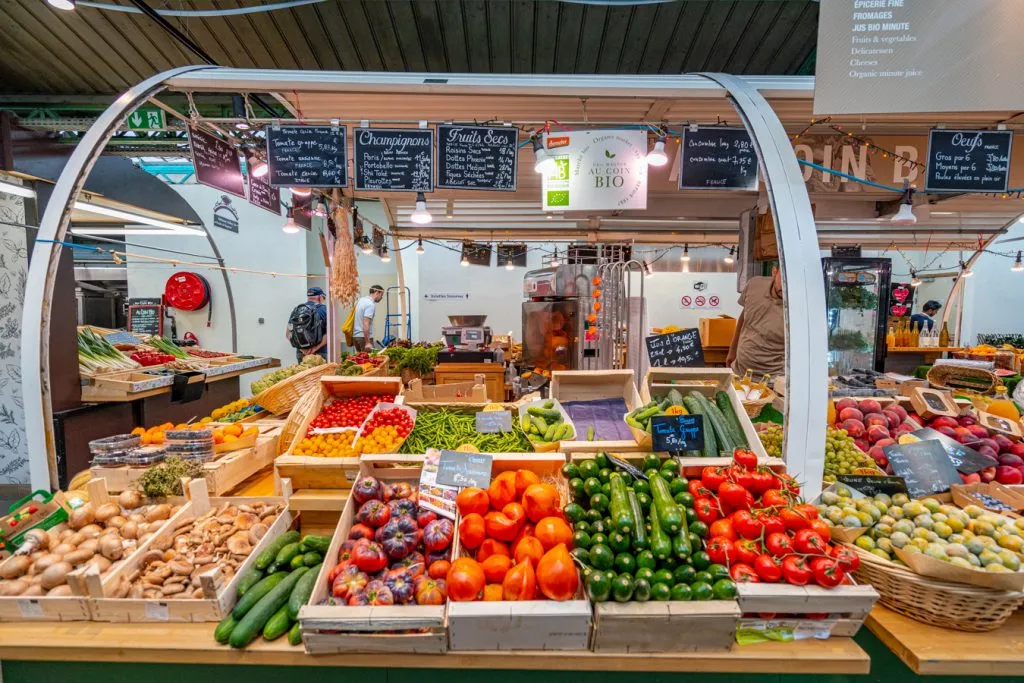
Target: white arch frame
point(806, 358)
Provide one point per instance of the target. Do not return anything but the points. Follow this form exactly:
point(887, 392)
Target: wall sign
point(901, 294)
point(225, 215)
point(216, 162)
point(676, 349)
point(446, 296)
point(924, 466)
point(677, 433)
point(477, 157)
point(261, 194)
point(464, 469)
point(596, 170)
point(716, 158)
point(307, 156)
point(394, 159)
point(968, 160)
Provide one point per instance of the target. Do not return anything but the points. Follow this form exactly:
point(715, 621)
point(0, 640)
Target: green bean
point(446, 429)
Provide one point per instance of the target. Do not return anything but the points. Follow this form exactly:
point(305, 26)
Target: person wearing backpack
point(366, 307)
point(307, 325)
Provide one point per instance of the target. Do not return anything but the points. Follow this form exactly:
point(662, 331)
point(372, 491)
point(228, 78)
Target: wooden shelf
point(193, 643)
point(928, 650)
point(925, 349)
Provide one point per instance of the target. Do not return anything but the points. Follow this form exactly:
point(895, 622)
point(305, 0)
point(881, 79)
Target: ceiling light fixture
point(385, 257)
point(66, 5)
point(729, 258)
point(465, 260)
point(421, 216)
point(915, 281)
point(657, 156)
point(89, 207)
point(905, 215)
point(301, 191)
point(257, 166)
point(685, 256)
point(543, 163)
point(291, 227)
point(239, 109)
point(1018, 266)
point(509, 265)
point(419, 246)
point(366, 246)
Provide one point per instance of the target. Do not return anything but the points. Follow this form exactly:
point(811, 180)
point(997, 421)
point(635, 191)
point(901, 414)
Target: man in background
point(366, 307)
point(307, 325)
point(926, 319)
point(759, 342)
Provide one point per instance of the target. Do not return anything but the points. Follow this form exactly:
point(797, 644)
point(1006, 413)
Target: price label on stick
point(493, 422)
point(675, 433)
point(464, 469)
point(676, 349)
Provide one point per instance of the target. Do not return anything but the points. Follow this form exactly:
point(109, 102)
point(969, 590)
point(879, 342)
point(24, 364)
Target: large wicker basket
point(753, 408)
point(296, 417)
point(956, 377)
point(937, 603)
point(283, 396)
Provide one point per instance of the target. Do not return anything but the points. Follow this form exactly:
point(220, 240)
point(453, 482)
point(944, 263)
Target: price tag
point(675, 433)
point(871, 486)
point(623, 465)
point(157, 611)
point(924, 466)
point(30, 609)
point(464, 469)
point(494, 421)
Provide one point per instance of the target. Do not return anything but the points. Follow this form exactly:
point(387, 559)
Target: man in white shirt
point(366, 307)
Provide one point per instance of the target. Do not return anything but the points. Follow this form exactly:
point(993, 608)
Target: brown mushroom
point(130, 499)
point(111, 548)
point(55, 575)
point(105, 512)
point(256, 532)
point(158, 512)
point(15, 567)
point(62, 590)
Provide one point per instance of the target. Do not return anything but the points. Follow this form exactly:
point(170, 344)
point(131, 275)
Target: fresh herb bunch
point(847, 340)
point(419, 359)
point(854, 297)
point(164, 479)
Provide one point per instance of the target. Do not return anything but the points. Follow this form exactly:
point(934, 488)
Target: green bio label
point(558, 198)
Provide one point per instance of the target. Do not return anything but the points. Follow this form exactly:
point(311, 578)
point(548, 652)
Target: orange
point(228, 438)
point(218, 436)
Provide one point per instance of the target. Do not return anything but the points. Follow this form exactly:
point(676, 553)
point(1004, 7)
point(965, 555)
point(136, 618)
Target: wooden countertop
point(193, 643)
point(928, 650)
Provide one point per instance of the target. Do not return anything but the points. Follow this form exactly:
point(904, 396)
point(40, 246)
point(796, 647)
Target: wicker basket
point(296, 417)
point(754, 408)
point(283, 396)
point(936, 603)
point(956, 377)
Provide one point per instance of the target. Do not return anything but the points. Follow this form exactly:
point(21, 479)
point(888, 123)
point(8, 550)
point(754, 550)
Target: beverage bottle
point(915, 336)
point(890, 338)
point(944, 336)
point(1003, 406)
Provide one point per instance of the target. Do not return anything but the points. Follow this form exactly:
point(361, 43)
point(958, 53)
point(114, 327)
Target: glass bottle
point(915, 336)
point(890, 338)
point(944, 336)
point(1003, 406)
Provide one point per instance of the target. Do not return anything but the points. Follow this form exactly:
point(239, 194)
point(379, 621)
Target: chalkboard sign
point(494, 421)
point(261, 194)
point(516, 253)
point(464, 469)
point(717, 159)
point(146, 319)
point(477, 254)
point(477, 158)
point(968, 160)
point(964, 459)
point(394, 159)
point(871, 486)
point(924, 466)
point(216, 162)
point(307, 156)
point(675, 433)
point(676, 350)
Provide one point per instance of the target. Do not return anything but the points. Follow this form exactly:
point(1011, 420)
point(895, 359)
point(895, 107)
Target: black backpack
point(307, 328)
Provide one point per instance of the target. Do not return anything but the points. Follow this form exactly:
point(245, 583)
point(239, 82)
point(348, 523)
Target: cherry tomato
point(821, 528)
point(793, 519)
point(721, 551)
point(772, 524)
point(712, 477)
point(846, 558)
point(746, 524)
point(707, 510)
point(774, 498)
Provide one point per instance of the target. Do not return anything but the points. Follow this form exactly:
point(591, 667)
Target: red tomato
point(778, 544)
point(712, 478)
point(743, 573)
point(747, 551)
point(808, 511)
point(745, 458)
point(697, 489)
point(707, 510)
point(721, 551)
point(787, 482)
point(774, 498)
point(745, 478)
point(772, 524)
point(767, 568)
point(732, 494)
point(722, 527)
point(762, 483)
point(809, 542)
point(827, 572)
point(747, 525)
point(795, 571)
point(846, 558)
point(793, 520)
point(821, 528)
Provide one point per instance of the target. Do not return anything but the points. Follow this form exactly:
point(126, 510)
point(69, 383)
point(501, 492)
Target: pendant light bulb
point(301, 191)
point(657, 156)
point(242, 125)
point(258, 167)
point(965, 271)
point(421, 216)
point(385, 257)
point(685, 257)
point(366, 246)
point(554, 259)
point(465, 261)
point(543, 163)
point(419, 247)
point(509, 265)
point(729, 258)
point(1018, 265)
point(291, 227)
point(66, 5)
point(905, 215)
point(915, 281)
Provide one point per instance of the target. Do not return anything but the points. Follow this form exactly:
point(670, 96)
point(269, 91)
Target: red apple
point(948, 431)
point(850, 414)
point(869, 405)
point(877, 432)
point(844, 403)
point(988, 474)
point(1008, 475)
point(971, 478)
point(1004, 444)
point(862, 444)
point(899, 410)
point(978, 431)
point(943, 421)
point(854, 428)
point(893, 418)
point(968, 420)
point(1010, 459)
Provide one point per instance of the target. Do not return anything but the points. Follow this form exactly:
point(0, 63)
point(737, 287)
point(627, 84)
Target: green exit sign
point(147, 119)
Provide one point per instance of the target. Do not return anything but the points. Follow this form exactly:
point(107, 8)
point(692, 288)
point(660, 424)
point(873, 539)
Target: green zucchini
point(248, 580)
point(302, 591)
point(668, 512)
point(278, 624)
point(675, 397)
point(696, 408)
point(665, 405)
point(318, 543)
point(295, 635)
point(726, 442)
point(269, 554)
point(312, 558)
point(622, 516)
point(681, 544)
point(285, 555)
point(256, 593)
point(640, 540)
point(224, 629)
point(257, 617)
point(661, 546)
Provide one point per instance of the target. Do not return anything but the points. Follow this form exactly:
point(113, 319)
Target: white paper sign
point(156, 611)
point(30, 609)
point(596, 170)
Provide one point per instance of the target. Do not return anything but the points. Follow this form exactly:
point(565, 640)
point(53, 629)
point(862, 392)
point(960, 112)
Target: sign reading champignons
point(394, 159)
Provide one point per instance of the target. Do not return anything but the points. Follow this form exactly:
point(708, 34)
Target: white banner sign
point(600, 170)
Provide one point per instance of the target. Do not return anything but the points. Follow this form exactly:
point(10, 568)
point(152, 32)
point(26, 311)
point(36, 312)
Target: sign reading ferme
point(968, 160)
point(394, 159)
point(717, 158)
point(307, 156)
point(477, 157)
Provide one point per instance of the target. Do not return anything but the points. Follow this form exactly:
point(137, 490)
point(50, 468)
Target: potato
point(55, 575)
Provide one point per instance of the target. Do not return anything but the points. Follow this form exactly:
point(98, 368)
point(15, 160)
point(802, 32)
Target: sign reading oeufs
point(596, 170)
point(394, 159)
point(968, 160)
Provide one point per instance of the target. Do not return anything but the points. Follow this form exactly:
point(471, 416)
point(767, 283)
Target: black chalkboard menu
point(146, 316)
point(261, 194)
point(307, 156)
point(516, 253)
point(924, 466)
point(717, 159)
point(677, 433)
point(464, 469)
point(968, 160)
point(216, 162)
point(476, 253)
point(676, 349)
point(872, 486)
point(477, 157)
point(394, 159)
point(964, 459)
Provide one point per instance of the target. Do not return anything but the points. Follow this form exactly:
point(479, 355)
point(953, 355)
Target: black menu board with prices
point(924, 466)
point(717, 159)
point(676, 350)
point(871, 486)
point(394, 159)
point(477, 157)
point(677, 433)
point(146, 316)
point(464, 469)
point(307, 156)
point(964, 459)
point(261, 194)
point(477, 254)
point(968, 160)
point(216, 162)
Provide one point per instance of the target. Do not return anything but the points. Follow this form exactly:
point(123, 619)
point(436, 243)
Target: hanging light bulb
point(290, 226)
point(66, 5)
point(419, 246)
point(367, 247)
point(509, 265)
point(729, 258)
point(385, 257)
point(465, 260)
point(657, 156)
point(257, 166)
point(1018, 266)
point(905, 215)
point(965, 271)
point(543, 163)
point(647, 270)
point(915, 281)
point(301, 191)
point(554, 258)
point(685, 256)
point(421, 216)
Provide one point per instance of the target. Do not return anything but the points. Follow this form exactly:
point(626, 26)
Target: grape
point(841, 453)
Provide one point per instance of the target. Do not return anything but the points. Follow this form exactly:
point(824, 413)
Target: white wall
point(992, 296)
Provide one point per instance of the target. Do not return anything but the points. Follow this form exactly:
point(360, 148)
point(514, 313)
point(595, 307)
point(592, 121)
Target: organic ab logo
point(609, 154)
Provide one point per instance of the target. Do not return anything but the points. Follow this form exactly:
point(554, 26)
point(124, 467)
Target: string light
point(729, 257)
point(366, 246)
point(1018, 266)
point(290, 227)
point(385, 257)
point(915, 281)
point(685, 256)
point(419, 246)
point(258, 167)
point(543, 163)
point(421, 216)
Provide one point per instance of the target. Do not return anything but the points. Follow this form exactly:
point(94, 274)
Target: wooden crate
point(121, 386)
point(707, 381)
point(844, 608)
point(589, 385)
point(673, 626)
point(474, 392)
point(219, 597)
point(332, 629)
point(526, 625)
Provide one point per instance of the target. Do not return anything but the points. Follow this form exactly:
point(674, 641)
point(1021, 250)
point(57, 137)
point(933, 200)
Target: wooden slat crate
point(589, 385)
point(674, 626)
point(474, 392)
point(845, 608)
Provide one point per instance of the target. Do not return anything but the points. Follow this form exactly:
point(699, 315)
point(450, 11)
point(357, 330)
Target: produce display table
point(93, 394)
point(194, 644)
point(934, 651)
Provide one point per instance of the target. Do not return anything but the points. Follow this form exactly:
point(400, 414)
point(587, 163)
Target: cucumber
point(258, 616)
point(665, 405)
point(302, 591)
point(668, 512)
point(278, 624)
point(726, 444)
point(681, 544)
point(590, 433)
point(540, 424)
point(224, 629)
point(647, 413)
point(549, 433)
point(248, 580)
point(549, 414)
point(661, 546)
point(524, 422)
point(295, 635)
point(269, 554)
point(640, 540)
point(285, 555)
point(622, 515)
point(274, 568)
point(725, 405)
point(675, 397)
point(312, 558)
point(696, 408)
point(549, 404)
point(256, 593)
point(296, 562)
point(318, 543)
point(632, 422)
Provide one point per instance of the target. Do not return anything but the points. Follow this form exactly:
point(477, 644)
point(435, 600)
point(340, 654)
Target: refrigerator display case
point(857, 302)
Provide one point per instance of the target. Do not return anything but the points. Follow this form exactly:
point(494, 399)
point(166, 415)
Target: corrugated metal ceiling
point(93, 51)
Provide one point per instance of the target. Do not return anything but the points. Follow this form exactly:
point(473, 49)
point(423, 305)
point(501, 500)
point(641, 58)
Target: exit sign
point(147, 119)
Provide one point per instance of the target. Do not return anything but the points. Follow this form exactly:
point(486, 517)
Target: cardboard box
point(717, 331)
point(931, 403)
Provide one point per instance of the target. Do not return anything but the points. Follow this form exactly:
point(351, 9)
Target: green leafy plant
point(164, 479)
point(419, 360)
point(847, 340)
point(856, 298)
